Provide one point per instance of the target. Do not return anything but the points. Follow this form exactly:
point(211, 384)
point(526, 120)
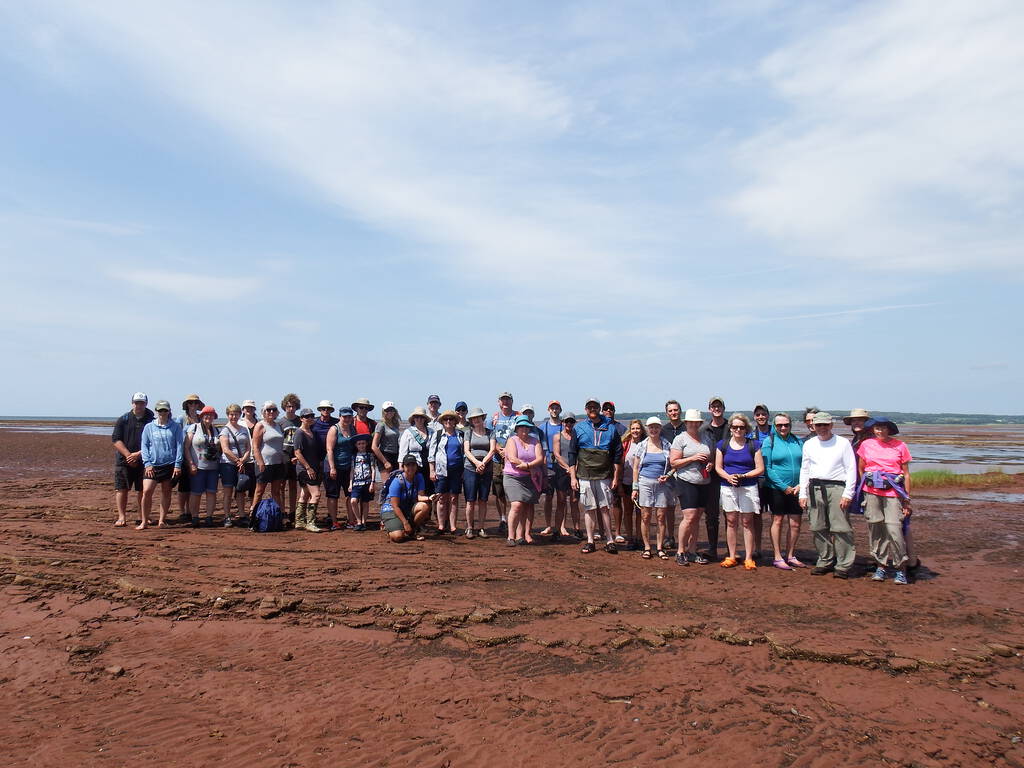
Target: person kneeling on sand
point(407, 506)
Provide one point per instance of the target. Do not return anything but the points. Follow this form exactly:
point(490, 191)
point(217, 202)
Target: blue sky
point(777, 202)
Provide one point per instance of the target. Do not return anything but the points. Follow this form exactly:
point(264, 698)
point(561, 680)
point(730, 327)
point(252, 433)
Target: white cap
point(387, 404)
point(248, 403)
point(653, 420)
point(140, 397)
point(527, 407)
point(325, 404)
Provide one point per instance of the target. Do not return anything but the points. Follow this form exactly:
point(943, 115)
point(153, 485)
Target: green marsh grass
point(943, 478)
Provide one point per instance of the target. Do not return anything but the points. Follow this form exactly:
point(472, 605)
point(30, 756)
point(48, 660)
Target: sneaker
point(880, 574)
point(337, 526)
point(359, 527)
point(681, 559)
point(228, 523)
point(482, 534)
point(670, 543)
point(837, 574)
point(821, 570)
point(503, 526)
point(900, 578)
point(470, 534)
point(699, 559)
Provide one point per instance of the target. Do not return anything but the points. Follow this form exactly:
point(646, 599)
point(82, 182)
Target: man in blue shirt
point(597, 471)
point(503, 424)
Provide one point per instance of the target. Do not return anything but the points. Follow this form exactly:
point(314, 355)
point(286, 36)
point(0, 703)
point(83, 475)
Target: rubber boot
point(300, 515)
point(311, 525)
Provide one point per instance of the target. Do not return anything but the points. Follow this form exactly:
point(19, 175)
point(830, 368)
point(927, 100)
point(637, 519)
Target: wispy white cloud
point(901, 143)
point(186, 286)
point(856, 311)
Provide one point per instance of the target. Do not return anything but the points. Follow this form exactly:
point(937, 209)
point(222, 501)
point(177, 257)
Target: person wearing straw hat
point(691, 459)
point(190, 408)
point(884, 467)
point(128, 467)
point(856, 422)
point(364, 424)
point(828, 478)
point(446, 460)
point(650, 487)
point(477, 474)
point(415, 442)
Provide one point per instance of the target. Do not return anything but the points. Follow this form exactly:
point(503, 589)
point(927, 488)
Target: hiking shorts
point(596, 493)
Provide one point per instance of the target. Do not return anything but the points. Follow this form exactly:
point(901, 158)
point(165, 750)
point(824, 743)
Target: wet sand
point(200, 647)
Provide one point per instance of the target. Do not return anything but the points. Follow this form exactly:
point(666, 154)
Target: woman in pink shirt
point(523, 480)
point(884, 465)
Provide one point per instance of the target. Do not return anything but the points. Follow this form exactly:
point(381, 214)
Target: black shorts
point(291, 469)
point(270, 473)
point(304, 479)
point(693, 496)
point(392, 458)
point(784, 503)
point(162, 474)
point(332, 488)
point(128, 478)
point(184, 481)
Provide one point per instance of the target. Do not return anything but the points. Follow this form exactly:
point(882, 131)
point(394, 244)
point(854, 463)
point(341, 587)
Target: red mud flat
point(221, 647)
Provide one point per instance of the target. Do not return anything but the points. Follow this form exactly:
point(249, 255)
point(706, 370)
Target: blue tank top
point(738, 462)
point(549, 430)
point(653, 465)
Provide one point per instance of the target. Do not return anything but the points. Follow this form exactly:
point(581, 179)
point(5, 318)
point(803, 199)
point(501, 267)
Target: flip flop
point(781, 565)
point(796, 563)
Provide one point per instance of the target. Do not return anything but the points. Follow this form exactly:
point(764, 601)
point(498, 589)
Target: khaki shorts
point(595, 494)
point(741, 498)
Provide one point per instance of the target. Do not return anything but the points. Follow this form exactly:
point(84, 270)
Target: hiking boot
point(837, 574)
point(821, 570)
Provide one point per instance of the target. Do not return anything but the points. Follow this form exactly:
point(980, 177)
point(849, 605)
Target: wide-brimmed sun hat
point(523, 421)
point(448, 415)
point(326, 404)
point(419, 410)
point(364, 402)
point(876, 421)
point(476, 412)
point(193, 398)
point(856, 413)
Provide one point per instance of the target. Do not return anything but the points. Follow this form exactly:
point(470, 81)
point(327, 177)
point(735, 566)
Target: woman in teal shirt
point(782, 452)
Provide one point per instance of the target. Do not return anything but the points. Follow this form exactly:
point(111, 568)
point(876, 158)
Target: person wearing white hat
point(691, 458)
point(127, 440)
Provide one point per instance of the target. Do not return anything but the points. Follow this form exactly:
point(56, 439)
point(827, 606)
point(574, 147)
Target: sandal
point(796, 563)
point(729, 562)
point(749, 565)
point(781, 564)
point(663, 554)
point(588, 548)
point(611, 549)
point(646, 554)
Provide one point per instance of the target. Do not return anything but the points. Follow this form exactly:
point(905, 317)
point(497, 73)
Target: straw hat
point(856, 413)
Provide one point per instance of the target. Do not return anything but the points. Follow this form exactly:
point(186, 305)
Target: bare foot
point(141, 526)
point(546, 532)
point(529, 540)
point(161, 524)
point(120, 523)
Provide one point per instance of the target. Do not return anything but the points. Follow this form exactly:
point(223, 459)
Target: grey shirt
point(389, 437)
point(272, 448)
point(479, 445)
point(691, 472)
point(199, 444)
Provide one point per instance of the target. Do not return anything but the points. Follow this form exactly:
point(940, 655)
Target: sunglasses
point(362, 407)
point(163, 410)
point(737, 426)
point(270, 410)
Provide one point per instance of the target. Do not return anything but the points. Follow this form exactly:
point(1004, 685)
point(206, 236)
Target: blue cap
point(461, 404)
point(346, 411)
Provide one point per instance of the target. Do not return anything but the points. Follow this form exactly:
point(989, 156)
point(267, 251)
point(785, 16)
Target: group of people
point(625, 481)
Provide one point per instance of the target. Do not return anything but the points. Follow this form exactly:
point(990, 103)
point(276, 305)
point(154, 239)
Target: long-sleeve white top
point(830, 459)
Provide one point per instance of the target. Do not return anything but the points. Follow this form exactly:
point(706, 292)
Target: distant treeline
point(899, 417)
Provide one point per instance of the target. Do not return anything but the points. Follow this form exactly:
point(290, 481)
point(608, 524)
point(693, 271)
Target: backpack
point(267, 518)
point(721, 446)
point(387, 484)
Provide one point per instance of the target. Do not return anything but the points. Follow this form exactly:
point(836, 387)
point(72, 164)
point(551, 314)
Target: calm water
point(959, 448)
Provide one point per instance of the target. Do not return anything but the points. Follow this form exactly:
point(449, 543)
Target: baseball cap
point(593, 400)
point(528, 407)
point(387, 404)
point(461, 405)
point(822, 417)
point(607, 404)
point(208, 409)
point(554, 402)
point(346, 411)
point(162, 405)
point(306, 412)
point(434, 399)
point(505, 394)
point(653, 420)
point(716, 399)
point(140, 397)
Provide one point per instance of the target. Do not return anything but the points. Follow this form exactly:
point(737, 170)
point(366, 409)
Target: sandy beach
point(222, 647)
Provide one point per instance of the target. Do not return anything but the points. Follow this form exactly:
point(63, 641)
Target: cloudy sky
point(782, 202)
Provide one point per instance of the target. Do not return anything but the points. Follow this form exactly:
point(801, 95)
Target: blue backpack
point(268, 518)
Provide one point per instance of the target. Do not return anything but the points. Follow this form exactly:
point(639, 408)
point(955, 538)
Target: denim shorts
point(228, 474)
point(204, 481)
point(450, 483)
point(477, 485)
point(361, 492)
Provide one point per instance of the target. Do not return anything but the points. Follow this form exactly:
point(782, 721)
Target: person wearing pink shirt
point(884, 466)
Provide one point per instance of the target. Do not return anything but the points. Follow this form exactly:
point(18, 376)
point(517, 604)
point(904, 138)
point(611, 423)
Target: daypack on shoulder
point(267, 518)
point(387, 484)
